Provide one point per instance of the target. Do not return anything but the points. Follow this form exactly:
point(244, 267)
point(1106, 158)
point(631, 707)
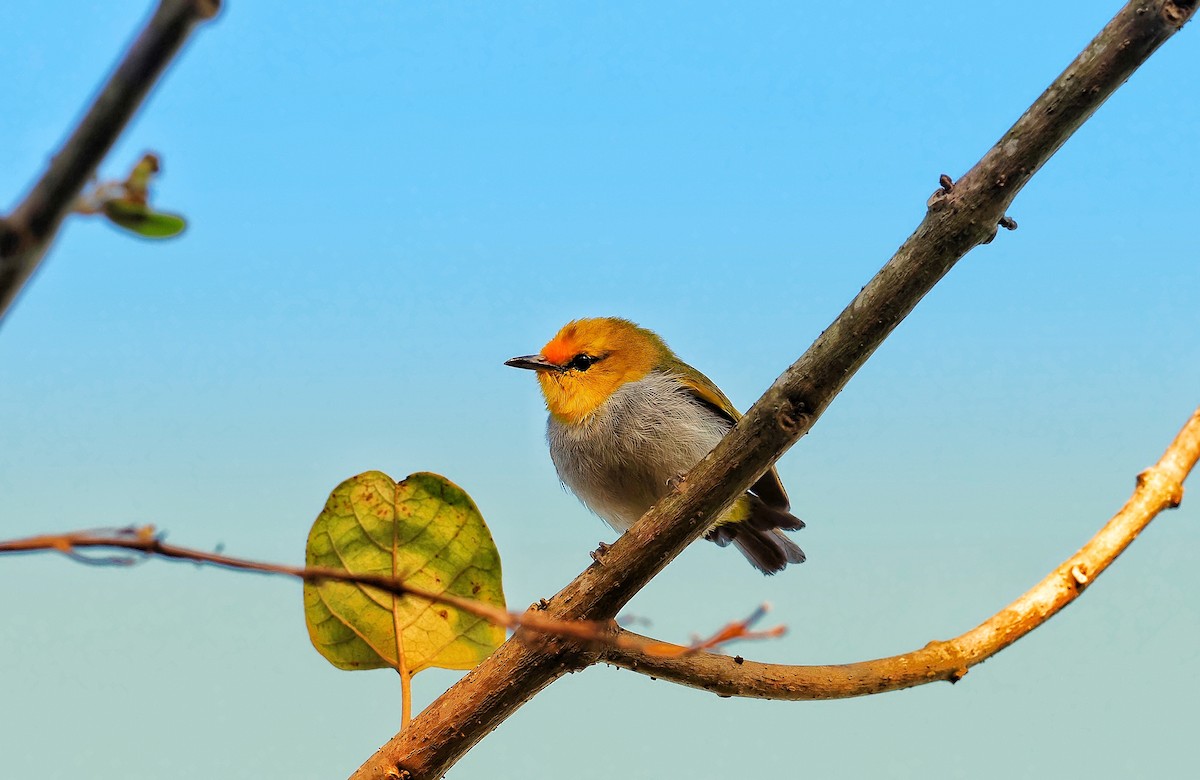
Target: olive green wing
point(769, 487)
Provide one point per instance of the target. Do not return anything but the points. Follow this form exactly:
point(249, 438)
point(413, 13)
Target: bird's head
point(588, 360)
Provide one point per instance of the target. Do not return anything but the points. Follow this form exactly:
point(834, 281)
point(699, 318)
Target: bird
point(628, 419)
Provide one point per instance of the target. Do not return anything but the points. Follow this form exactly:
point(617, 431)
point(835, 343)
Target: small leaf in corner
point(141, 219)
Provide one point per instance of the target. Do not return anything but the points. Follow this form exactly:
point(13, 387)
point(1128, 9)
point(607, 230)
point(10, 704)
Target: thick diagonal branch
point(1159, 487)
point(960, 217)
point(27, 233)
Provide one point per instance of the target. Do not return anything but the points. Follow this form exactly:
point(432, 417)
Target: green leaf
point(424, 529)
point(141, 219)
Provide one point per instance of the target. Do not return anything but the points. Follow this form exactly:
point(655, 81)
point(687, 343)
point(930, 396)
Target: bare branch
point(27, 233)
point(960, 217)
point(1158, 488)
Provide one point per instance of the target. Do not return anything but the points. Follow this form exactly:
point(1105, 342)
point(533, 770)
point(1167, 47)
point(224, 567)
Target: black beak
point(533, 362)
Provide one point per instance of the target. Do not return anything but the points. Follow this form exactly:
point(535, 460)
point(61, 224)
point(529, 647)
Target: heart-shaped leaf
point(425, 530)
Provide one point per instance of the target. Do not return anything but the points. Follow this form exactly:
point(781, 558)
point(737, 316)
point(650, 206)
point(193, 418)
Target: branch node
point(598, 553)
point(941, 196)
point(1178, 13)
point(1008, 223)
point(1079, 575)
point(957, 674)
point(206, 9)
point(792, 418)
point(1152, 480)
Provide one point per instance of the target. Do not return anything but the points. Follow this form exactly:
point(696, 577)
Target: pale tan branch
point(961, 216)
point(1159, 487)
point(26, 234)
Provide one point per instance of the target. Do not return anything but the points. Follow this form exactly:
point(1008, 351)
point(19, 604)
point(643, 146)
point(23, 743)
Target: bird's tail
point(759, 535)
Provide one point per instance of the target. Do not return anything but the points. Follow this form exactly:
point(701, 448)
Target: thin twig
point(736, 630)
point(146, 541)
point(26, 234)
point(957, 221)
point(1159, 487)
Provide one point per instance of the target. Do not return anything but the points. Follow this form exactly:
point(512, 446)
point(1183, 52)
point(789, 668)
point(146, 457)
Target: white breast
point(620, 461)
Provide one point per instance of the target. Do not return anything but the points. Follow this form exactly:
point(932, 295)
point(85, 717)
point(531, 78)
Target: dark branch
point(958, 220)
point(27, 233)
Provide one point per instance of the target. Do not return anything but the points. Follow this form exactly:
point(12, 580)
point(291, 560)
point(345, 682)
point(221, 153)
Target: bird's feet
point(677, 483)
point(599, 552)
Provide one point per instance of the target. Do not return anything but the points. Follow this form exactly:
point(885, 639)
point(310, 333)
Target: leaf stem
point(405, 685)
point(401, 662)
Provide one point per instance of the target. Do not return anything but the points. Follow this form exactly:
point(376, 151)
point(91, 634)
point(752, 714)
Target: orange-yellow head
point(590, 359)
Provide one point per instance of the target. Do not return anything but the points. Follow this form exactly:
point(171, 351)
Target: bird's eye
point(581, 362)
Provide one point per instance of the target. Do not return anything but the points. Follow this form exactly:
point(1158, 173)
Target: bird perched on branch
point(628, 418)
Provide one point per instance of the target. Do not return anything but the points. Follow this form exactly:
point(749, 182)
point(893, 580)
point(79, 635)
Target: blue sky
point(389, 199)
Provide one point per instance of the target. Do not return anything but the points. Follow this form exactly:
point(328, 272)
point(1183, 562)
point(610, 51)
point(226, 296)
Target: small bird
point(628, 418)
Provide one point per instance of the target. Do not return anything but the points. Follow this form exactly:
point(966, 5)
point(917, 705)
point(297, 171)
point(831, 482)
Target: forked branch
point(961, 216)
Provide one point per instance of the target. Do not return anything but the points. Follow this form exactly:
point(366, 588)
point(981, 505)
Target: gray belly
point(622, 459)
